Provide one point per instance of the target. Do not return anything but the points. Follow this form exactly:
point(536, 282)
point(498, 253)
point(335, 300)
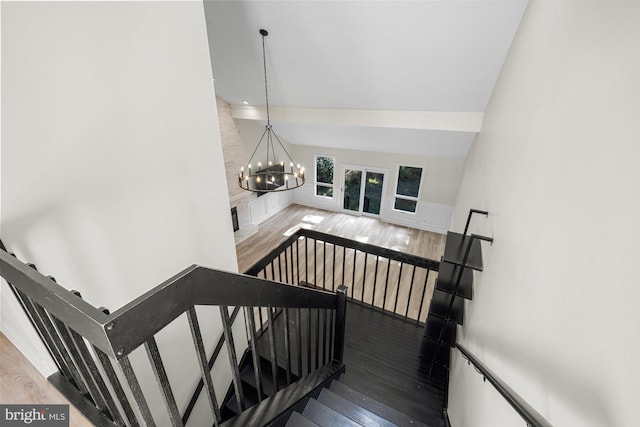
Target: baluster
point(273, 271)
point(306, 260)
point(105, 362)
point(233, 359)
point(279, 264)
point(136, 390)
point(395, 305)
point(82, 369)
point(287, 349)
point(294, 273)
point(344, 262)
point(324, 264)
point(286, 266)
point(272, 349)
point(332, 333)
point(204, 366)
point(386, 285)
point(308, 340)
point(364, 277)
point(109, 406)
point(317, 338)
point(163, 381)
point(333, 275)
point(315, 262)
point(261, 320)
point(353, 273)
point(413, 276)
point(257, 370)
point(299, 329)
point(424, 290)
point(325, 336)
point(44, 335)
point(45, 328)
point(375, 281)
point(297, 281)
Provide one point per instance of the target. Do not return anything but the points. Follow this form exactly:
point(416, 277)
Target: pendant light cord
point(264, 64)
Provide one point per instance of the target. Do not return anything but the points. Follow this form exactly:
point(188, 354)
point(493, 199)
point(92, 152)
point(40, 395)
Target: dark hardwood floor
point(382, 361)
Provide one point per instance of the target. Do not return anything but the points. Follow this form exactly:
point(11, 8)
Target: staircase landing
point(384, 376)
point(382, 360)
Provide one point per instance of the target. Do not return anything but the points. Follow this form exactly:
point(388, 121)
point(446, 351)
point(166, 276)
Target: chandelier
point(278, 172)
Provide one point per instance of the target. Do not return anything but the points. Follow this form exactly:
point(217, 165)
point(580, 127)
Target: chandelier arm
point(257, 146)
point(273, 148)
point(282, 145)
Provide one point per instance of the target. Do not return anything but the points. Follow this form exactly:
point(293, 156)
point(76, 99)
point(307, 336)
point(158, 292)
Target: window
point(407, 188)
point(324, 176)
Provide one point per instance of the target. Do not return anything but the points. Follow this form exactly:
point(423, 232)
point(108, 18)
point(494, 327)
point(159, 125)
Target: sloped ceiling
point(332, 57)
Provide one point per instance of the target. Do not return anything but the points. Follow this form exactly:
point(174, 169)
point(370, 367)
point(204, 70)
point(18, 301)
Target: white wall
point(440, 181)
point(556, 165)
point(112, 171)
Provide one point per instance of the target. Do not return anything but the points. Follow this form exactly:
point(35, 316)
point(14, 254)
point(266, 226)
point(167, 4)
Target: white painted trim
point(315, 177)
point(395, 187)
point(427, 120)
point(364, 170)
point(264, 207)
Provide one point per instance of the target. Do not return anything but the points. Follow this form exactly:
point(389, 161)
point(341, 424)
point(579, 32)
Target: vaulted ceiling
point(426, 68)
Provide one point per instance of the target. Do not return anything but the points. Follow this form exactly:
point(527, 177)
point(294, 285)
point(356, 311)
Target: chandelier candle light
point(274, 175)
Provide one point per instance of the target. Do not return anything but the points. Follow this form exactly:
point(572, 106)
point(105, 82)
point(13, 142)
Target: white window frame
point(323, 184)
point(402, 196)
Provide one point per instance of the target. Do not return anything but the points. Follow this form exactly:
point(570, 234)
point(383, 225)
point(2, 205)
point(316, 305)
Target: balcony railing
point(395, 282)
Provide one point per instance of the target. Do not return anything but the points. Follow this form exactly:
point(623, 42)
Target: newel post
point(341, 313)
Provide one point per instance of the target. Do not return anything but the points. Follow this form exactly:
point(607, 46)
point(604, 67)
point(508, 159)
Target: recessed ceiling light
point(245, 102)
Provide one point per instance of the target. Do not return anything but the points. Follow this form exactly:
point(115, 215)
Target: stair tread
point(231, 404)
point(324, 416)
point(299, 420)
point(447, 277)
point(455, 247)
point(272, 407)
point(351, 410)
point(248, 376)
point(382, 410)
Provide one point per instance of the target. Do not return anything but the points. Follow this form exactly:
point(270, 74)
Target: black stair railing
point(528, 413)
point(388, 280)
point(91, 346)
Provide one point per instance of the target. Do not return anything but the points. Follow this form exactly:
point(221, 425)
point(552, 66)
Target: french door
point(362, 190)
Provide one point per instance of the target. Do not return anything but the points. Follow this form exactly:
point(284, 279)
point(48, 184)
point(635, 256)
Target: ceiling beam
point(427, 120)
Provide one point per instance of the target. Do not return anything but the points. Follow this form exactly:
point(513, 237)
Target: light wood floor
point(365, 229)
point(21, 383)
point(362, 282)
